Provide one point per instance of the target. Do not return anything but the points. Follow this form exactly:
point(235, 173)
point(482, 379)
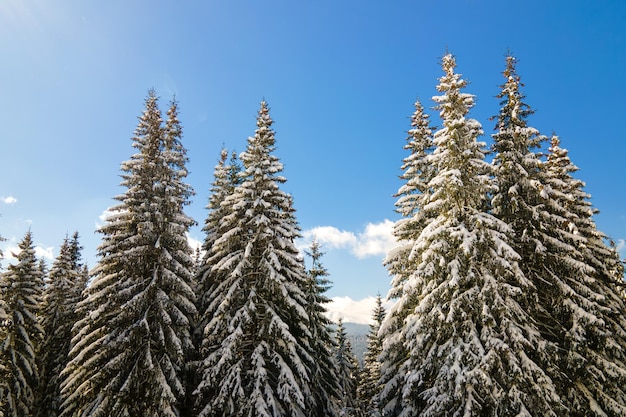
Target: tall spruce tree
point(61, 295)
point(518, 170)
point(466, 329)
point(369, 383)
point(21, 287)
point(324, 370)
point(586, 283)
point(130, 349)
point(257, 347)
point(413, 196)
point(564, 255)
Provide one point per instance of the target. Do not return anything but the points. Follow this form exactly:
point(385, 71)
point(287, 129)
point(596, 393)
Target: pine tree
point(21, 287)
point(3, 313)
point(2, 239)
point(207, 279)
point(566, 258)
point(324, 371)
point(587, 304)
point(347, 370)
point(226, 178)
point(369, 383)
point(413, 196)
point(466, 329)
point(257, 355)
point(130, 349)
point(61, 296)
point(518, 171)
point(4, 320)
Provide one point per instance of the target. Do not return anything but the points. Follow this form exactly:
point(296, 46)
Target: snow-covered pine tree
point(225, 179)
point(130, 349)
point(2, 239)
point(369, 382)
point(585, 288)
point(61, 296)
point(257, 348)
point(77, 292)
point(21, 286)
point(517, 167)
point(3, 326)
point(347, 372)
point(412, 196)
point(467, 329)
point(324, 370)
point(566, 258)
point(520, 201)
point(3, 314)
point(418, 172)
point(207, 279)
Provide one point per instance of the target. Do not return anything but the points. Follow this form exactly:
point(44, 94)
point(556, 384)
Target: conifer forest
point(506, 299)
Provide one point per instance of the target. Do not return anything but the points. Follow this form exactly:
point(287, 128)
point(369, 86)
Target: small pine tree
point(207, 278)
point(226, 179)
point(324, 372)
point(61, 296)
point(369, 383)
point(21, 287)
point(132, 344)
point(1, 253)
point(347, 372)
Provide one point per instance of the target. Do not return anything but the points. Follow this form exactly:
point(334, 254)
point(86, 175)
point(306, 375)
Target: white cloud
point(332, 237)
point(42, 252)
point(353, 311)
point(621, 247)
point(8, 200)
point(11, 251)
point(376, 240)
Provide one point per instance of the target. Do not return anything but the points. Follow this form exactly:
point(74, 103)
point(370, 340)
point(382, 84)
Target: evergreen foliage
point(519, 199)
point(412, 196)
point(369, 382)
point(3, 314)
point(575, 273)
point(509, 300)
point(465, 283)
point(62, 294)
point(256, 353)
point(21, 289)
point(586, 282)
point(324, 371)
point(226, 179)
point(347, 372)
point(131, 346)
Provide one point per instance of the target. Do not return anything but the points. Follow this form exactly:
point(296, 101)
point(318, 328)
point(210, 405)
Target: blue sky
point(340, 77)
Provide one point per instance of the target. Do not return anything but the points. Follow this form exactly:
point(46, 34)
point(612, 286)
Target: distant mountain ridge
point(357, 334)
